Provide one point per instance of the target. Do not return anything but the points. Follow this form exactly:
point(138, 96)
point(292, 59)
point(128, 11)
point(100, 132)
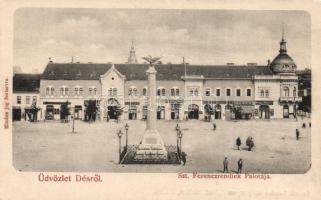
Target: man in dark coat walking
point(225, 165)
point(183, 156)
point(239, 165)
point(238, 143)
point(297, 133)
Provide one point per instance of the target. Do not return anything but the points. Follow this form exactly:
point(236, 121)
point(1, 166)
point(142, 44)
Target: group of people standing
point(249, 143)
point(226, 163)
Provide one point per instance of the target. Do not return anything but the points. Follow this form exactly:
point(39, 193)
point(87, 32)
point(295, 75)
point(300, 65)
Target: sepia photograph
point(161, 90)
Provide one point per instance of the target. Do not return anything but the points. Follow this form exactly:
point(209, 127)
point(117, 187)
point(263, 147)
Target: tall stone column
point(152, 146)
point(151, 113)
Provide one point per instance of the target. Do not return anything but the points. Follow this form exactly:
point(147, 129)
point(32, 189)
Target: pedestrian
point(238, 143)
point(225, 165)
point(239, 165)
point(250, 143)
point(310, 124)
point(183, 156)
point(297, 134)
point(214, 126)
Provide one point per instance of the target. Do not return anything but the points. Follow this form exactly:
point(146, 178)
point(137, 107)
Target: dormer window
point(93, 74)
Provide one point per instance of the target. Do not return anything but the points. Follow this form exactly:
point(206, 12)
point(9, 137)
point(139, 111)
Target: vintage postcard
point(167, 101)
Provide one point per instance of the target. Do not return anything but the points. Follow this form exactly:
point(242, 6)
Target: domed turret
point(283, 63)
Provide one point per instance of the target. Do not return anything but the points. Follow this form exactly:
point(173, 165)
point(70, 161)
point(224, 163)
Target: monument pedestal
point(151, 148)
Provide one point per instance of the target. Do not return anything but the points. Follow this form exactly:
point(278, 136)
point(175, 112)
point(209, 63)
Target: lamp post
point(180, 135)
point(126, 128)
point(120, 133)
point(73, 121)
point(177, 132)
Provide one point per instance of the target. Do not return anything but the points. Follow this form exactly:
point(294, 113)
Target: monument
point(152, 146)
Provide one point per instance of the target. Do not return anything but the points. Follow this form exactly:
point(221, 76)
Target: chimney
point(269, 62)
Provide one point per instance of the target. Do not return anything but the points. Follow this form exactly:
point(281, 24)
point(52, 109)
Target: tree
point(208, 111)
point(91, 110)
point(238, 112)
point(34, 110)
point(64, 111)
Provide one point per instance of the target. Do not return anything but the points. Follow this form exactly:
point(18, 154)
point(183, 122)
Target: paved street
point(51, 146)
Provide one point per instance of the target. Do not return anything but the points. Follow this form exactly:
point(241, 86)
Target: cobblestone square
point(50, 146)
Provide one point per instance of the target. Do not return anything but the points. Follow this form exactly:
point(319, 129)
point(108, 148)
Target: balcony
point(290, 99)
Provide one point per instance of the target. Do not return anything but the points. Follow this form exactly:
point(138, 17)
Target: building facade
point(184, 91)
point(25, 93)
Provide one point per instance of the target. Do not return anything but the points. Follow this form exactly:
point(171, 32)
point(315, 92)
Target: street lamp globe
point(120, 133)
point(126, 127)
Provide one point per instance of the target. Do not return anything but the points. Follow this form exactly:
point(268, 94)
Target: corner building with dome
point(184, 91)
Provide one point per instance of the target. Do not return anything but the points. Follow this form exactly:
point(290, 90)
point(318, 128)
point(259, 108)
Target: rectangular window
point(56, 111)
point(248, 92)
point(207, 92)
point(238, 92)
point(27, 99)
point(228, 92)
point(218, 92)
point(34, 99)
point(47, 90)
point(18, 99)
point(61, 91)
point(52, 90)
point(66, 91)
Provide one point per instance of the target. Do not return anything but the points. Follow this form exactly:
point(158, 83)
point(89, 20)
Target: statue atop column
point(152, 146)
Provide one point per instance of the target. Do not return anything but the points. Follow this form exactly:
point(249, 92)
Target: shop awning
point(247, 109)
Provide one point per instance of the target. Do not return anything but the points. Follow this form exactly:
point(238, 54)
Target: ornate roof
point(92, 71)
point(283, 63)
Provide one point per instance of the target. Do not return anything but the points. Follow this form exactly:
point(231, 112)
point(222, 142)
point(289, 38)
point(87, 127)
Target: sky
point(203, 37)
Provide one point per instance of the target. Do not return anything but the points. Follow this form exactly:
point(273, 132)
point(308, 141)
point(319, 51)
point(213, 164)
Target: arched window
point(163, 92)
point(135, 91)
point(177, 92)
point(191, 92)
point(90, 91)
point(262, 93)
point(130, 92)
point(80, 91)
point(195, 92)
point(158, 92)
point(77, 91)
point(61, 91)
point(286, 91)
point(110, 92)
point(47, 90)
point(294, 92)
point(144, 91)
point(267, 93)
point(52, 91)
point(172, 92)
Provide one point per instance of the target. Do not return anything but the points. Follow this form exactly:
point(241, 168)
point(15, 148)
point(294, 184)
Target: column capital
point(151, 70)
